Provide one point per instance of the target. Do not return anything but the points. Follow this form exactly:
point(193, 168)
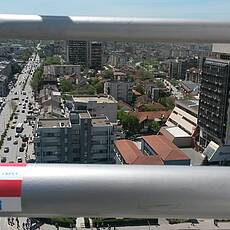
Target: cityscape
point(114, 103)
point(124, 128)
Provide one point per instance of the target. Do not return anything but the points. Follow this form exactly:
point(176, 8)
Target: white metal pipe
point(115, 29)
point(122, 191)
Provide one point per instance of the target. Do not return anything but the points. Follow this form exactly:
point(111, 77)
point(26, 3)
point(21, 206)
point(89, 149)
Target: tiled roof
point(132, 155)
point(142, 116)
point(165, 149)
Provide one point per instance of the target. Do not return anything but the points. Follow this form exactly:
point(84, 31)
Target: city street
point(14, 143)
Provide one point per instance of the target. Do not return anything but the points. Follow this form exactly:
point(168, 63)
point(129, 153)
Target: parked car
point(6, 149)
point(9, 138)
point(21, 149)
point(19, 160)
point(12, 127)
point(24, 144)
point(15, 142)
point(3, 160)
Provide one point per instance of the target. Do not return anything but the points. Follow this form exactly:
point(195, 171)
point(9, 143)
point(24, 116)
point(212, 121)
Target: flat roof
point(177, 132)
point(100, 122)
point(196, 157)
point(87, 99)
point(189, 104)
point(84, 115)
point(53, 123)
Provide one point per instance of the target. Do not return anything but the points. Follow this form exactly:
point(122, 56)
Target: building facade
point(214, 108)
point(83, 53)
point(79, 139)
point(61, 70)
point(120, 90)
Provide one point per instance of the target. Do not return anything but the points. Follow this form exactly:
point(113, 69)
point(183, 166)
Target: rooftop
point(53, 123)
point(142, 116)
point(101, 122)
point(191, 105)
point(176, 131)
point(99, 99)
point(132, 155)
point(84, 115)
point(165, 149)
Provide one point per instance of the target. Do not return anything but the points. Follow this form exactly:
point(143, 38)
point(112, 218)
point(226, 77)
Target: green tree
point(37, 80)
point(54, 60)
point(160, 84)
point(129, 122)
point(108, 74)
point(154, 127)
point(168, 102)
point(99, 87)
point(66, 86)
point(25, 55)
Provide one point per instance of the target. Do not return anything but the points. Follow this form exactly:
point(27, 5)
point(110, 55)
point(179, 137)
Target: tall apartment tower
point(86, 54)
point(95, 55)
point(77, 52)
point(214, 109)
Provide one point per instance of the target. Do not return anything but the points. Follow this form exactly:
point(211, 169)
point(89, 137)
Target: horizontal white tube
point(123, 191)
point(114, 29)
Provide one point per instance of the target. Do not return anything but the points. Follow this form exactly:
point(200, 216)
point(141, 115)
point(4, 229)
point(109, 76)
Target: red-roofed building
point(128, 153)
point(169, 153)
point(145, 118)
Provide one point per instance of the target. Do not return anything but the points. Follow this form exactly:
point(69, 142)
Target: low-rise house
point(145, 118)
point(126, 152)
point(169, 153)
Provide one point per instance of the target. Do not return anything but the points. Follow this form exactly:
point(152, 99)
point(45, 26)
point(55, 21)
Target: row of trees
point(37, 80)
point(94, 87)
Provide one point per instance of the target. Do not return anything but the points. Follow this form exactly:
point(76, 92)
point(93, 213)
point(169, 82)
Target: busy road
point(18, 145)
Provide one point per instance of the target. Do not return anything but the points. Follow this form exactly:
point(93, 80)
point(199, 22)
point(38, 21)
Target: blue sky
point(194, 9)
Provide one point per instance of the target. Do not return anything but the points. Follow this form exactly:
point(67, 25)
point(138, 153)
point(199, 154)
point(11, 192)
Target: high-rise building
point(214, 110)
point(86, 54)
point(77, 52)
point(95, 55)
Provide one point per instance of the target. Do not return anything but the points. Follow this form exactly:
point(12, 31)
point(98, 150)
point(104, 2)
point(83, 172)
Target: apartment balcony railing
point(103, 190)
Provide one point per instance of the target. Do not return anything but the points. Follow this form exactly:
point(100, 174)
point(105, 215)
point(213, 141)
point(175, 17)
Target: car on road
point(19, 159)
point(6, 149)
point(23, 144)
point(15, 142)
point(3, 160)
point(21, 149)
point(17, 135)
point(9, 138)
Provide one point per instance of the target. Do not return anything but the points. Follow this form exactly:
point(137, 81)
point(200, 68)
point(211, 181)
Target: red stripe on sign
point(10, 188)
point(13, 164)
